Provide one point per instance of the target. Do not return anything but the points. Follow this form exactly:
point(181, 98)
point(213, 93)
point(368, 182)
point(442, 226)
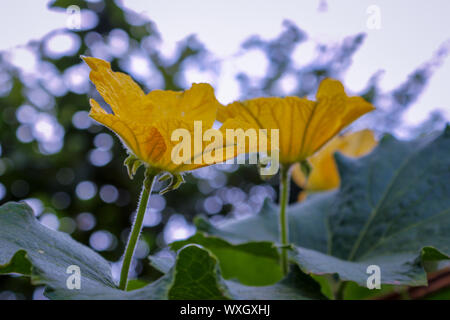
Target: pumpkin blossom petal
point(228, 150)
point(284, 114)
point(304, 125)
point(197, 103)
point(144, 141)
point(324, 174)
point(120, 92)
point(232, 148)
point(358, 143)
point(114, 124)
point(332, 112)
point(145, 122)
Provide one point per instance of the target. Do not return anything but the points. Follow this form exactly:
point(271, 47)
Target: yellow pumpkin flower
point(145, 122)
point(304, 125)
point(324, 173)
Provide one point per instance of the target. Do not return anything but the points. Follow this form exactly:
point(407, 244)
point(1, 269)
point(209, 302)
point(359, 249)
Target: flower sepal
point(176, 179)
point(263, 163)
point(306, 168)
point(149, 176)
point(133, 164)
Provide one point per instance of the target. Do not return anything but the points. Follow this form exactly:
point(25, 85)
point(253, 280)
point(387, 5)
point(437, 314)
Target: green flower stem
point(284, 199)
point(339, 294)
point(136, 228)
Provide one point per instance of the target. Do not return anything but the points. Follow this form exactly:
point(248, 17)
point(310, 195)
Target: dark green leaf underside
point(392, 210)
point(31, 249)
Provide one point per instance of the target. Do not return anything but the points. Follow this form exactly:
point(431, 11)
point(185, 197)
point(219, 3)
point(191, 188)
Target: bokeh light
point(86, 190)
point(86, 221)
point(102, 240)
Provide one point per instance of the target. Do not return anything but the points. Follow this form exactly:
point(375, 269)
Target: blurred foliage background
point(70, 170)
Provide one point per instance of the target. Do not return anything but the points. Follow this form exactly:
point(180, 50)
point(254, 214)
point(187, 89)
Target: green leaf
point(307, 224)
point(356, 292)
point(392, 210)
point(252, 263)
point(295, 286)
point(135, 284)
point(196, 265)
point(31, 249)
point(17, 264)
point(197, 276)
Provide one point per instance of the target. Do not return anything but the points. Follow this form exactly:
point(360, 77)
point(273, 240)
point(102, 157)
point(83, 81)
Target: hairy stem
point(136, 229)
point(339, 294)
point(284, 199)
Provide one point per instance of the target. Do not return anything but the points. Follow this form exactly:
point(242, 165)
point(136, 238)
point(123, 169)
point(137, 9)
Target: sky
point(408, 33)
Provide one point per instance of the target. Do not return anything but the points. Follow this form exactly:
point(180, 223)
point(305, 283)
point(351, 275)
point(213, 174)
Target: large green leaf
point(251, 263)
point(196, 275)
point(31, 249)
point(392, 210)
point(295, 286)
